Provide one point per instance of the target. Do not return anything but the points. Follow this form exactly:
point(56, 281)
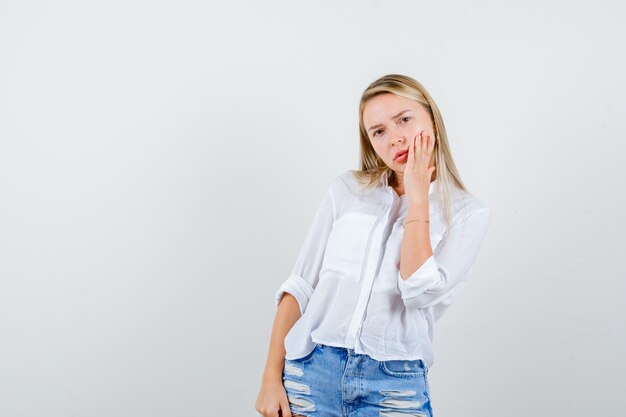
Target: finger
point(429, 151)
point(284, 407)
point(418, 146)
point(424, 145)
point(429, 146)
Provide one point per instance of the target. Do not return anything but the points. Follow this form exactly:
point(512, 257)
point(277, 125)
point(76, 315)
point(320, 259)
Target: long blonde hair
point(373, 167)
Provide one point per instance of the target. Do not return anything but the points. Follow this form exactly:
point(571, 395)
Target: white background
point(161, 161)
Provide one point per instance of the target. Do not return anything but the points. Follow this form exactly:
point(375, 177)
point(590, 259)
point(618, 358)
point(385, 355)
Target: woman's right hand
point(272, 399)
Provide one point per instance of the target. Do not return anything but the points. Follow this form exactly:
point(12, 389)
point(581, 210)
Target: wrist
point(418, 210)
point(272, 375)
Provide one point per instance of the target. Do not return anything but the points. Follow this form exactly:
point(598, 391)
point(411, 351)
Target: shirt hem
point(373, 356)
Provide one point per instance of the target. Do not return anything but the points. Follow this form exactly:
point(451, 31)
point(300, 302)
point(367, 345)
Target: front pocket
point(403, 368)
point(346, 246)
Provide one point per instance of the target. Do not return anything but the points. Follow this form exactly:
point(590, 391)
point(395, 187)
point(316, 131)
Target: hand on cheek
point(418, 169)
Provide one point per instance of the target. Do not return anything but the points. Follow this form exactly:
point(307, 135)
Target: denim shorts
point(337, 382)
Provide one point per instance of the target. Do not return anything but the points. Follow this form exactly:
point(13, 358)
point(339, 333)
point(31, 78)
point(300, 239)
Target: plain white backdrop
point(161, 161)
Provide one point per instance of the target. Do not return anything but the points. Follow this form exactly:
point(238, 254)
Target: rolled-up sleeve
point(304, 276)
point(441, 277)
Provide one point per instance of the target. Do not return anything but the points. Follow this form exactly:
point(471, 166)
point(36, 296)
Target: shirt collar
point(384, 179)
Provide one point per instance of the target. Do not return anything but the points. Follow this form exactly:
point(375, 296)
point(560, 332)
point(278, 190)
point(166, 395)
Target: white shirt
point(347, 281)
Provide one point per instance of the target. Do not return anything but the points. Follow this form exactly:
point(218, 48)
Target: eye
point(406, 117)
point(374, 135)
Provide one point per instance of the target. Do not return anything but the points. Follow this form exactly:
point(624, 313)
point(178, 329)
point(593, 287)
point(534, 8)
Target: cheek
point(419, 127)
point(377, 148)
point(383, 153)
point(379, 153)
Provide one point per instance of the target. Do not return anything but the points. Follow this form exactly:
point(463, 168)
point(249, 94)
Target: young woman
point(390, 249)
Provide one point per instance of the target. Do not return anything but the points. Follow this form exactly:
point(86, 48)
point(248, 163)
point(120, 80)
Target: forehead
point(381, 108)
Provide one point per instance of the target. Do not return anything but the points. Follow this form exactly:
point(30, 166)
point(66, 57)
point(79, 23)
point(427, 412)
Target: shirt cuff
point(424, 278)
point(299, 288)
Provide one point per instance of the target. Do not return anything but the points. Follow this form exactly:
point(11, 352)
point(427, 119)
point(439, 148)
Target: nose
point(398, 136)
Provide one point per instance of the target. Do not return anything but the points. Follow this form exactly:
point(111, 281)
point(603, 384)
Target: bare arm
point(272, 399)
point(415, 248)
point(287, 314)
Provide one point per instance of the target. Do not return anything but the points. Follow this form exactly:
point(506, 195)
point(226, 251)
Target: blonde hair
point(373, 167)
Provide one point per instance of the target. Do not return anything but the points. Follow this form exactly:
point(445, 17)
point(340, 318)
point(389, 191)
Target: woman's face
point(391, 123)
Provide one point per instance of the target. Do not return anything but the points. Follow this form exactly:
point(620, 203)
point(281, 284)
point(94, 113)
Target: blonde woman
point(390, 249)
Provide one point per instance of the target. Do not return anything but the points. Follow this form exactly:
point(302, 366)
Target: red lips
point(400, 153)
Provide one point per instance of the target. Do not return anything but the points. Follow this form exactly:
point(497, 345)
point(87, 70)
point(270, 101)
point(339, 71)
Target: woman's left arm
point(438, 276)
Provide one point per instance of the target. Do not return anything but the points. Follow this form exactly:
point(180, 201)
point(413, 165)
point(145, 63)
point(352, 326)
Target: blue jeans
point(336, 382)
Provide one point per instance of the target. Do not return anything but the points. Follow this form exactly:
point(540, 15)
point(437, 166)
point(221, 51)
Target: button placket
point(373, 252)
point(357, 318)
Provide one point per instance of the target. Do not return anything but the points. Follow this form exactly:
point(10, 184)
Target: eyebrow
point(397, 115)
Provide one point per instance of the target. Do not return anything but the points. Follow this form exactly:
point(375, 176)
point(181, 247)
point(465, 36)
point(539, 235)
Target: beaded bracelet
point(409, 221)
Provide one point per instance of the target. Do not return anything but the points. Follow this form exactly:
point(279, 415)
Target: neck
point(397, 183)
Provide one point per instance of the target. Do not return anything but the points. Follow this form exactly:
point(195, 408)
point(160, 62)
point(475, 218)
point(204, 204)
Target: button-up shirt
point(347, 280)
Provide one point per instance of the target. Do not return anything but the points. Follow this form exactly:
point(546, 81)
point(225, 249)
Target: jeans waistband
point(351, 352)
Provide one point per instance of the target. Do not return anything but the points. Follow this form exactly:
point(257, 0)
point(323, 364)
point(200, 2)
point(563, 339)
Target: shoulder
point(350, 195)
point(347, 179)
point(469, 209)
point(345, 184)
